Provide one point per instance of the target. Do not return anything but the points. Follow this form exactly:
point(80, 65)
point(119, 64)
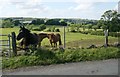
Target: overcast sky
point(85, 9)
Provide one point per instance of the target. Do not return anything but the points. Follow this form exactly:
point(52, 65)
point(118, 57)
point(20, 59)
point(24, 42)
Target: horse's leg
point(51, 43)
point(21, 44)
point(39, 45)
point(56, 44)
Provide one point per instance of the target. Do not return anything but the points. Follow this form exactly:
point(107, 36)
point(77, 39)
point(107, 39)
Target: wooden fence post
point(106, 37)
point(14, 44)
point(64, 37)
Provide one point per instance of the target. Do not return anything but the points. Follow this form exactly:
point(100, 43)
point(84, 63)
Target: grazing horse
point(54, 38)
point(41, 37)
point(28, 38)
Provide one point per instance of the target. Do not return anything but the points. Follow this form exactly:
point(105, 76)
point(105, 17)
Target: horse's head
point(23, 32)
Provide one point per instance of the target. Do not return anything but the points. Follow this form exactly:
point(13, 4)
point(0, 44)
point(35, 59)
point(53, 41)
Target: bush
point(72, 29)
point(84, 32)
point(51, 29)
point(48, 30)
point(7, 24)
point(114, 34)
point(46, 57)
point(100, 33)
point(41, 27)
point(57, 30)
point(30, 27)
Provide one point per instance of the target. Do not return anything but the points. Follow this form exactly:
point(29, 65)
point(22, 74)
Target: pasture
point(72, 39)
point(72, 53)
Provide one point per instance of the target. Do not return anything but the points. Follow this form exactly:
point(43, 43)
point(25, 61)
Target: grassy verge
point(47, 57)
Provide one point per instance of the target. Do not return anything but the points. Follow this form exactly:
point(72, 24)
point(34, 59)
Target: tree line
point(109, 20)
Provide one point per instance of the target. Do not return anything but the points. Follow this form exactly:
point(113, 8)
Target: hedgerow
point(47, 57)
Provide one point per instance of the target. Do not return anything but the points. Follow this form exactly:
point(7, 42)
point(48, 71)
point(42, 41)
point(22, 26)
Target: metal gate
point(5, 43)
point(9, 44)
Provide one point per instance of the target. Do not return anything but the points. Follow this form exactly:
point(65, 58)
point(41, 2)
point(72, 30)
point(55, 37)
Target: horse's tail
point(60, 42)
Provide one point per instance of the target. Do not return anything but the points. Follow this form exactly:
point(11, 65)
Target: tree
point(110, 20)
point(53, 28)
point(37, 21)
point(83, 26)
point(7, 24)
point(89, 26)
point(52, 22)
point(17, 22)
point(33, 22)
point(95, 27)
point(30, 27)
point(115, 25)
point(100, 23)
point(63, 23)
point(42, 27)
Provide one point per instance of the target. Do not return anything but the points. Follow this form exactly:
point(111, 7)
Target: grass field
point(72, 39)
point(44, 56)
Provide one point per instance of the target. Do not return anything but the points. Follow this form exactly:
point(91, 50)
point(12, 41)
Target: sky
point(84, 9)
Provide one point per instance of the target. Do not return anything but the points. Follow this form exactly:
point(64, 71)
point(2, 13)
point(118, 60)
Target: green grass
point(72, 39)
point(47, 57)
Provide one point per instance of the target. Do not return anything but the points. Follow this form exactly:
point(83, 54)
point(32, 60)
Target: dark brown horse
point(54, 38)
point(27, 37)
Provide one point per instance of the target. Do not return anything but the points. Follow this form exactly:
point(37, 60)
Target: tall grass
point(47, 57)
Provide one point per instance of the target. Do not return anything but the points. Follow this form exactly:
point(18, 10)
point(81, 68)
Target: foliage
point(95, 27)
point(72, 29)
point(111, 21)
point(89, 26)
point(41, 27)
point(53, 22)
point(37, 21)
point(115, 27)
point(30, 27)
point(46, 57)
point(7, 24)
point(100, 33)
point(57, 30)
point(52, 28)
point(17, 23)
point(63, 23)
point(75, 27)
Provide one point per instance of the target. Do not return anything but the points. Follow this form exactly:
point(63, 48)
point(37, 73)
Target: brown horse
point(54, 38)
point(41, 37)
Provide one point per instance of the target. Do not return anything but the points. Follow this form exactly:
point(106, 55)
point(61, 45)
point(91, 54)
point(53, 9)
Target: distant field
point(72, 39)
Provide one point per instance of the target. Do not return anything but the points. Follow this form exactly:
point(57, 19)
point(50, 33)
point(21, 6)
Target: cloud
point(39, 8)
point(23, 7)
point(93, 1)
